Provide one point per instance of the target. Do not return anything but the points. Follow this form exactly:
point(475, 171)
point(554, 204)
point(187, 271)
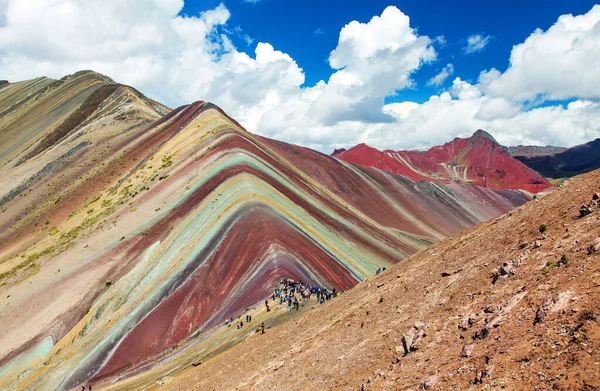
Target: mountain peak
point(90, 74)
point(338, 151)
point(482, 134)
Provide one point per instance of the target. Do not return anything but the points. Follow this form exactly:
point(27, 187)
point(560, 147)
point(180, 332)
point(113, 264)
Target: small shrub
point(542, 228)
point(90, 211)
point(553, 265)
point(166, 161)
point(564, 260)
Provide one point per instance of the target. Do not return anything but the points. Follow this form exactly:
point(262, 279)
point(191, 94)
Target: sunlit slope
point(135, 230)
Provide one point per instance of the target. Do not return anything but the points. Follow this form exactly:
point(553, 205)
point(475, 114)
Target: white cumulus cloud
point(179, 59)
point(561, 63)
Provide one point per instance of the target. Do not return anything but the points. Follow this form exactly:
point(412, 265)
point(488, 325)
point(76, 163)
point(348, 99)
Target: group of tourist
point(293, 292)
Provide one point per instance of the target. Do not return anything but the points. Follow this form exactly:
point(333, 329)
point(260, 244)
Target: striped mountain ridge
point(128, 229)
point(478, 160)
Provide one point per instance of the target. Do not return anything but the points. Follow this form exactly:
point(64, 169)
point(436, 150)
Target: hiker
point(262, 328)
point(378, 271)
point(249, 318)
point(383, 269)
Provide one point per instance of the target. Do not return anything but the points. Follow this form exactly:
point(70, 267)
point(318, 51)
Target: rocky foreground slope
point(478, 159)
point(501, 305)
point(130, 231)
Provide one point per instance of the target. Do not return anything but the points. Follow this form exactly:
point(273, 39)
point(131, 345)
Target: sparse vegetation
point(28, 267)
point(553, 265)
point(94, 200)
point(166, 161)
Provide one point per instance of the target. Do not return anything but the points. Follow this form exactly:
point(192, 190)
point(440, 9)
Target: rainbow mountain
point(128, 229)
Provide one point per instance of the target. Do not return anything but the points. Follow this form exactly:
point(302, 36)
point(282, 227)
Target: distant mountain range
point(566, 163)
point(479, 160)
point(533, 150)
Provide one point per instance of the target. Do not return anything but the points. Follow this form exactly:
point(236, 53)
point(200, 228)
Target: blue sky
point(290, 25)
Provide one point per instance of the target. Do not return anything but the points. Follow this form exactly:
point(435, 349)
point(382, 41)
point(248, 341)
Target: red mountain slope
point(478, 159)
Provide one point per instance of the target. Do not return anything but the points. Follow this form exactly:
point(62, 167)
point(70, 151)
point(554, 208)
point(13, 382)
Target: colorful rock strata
point(478, 160)
point(127, 228)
